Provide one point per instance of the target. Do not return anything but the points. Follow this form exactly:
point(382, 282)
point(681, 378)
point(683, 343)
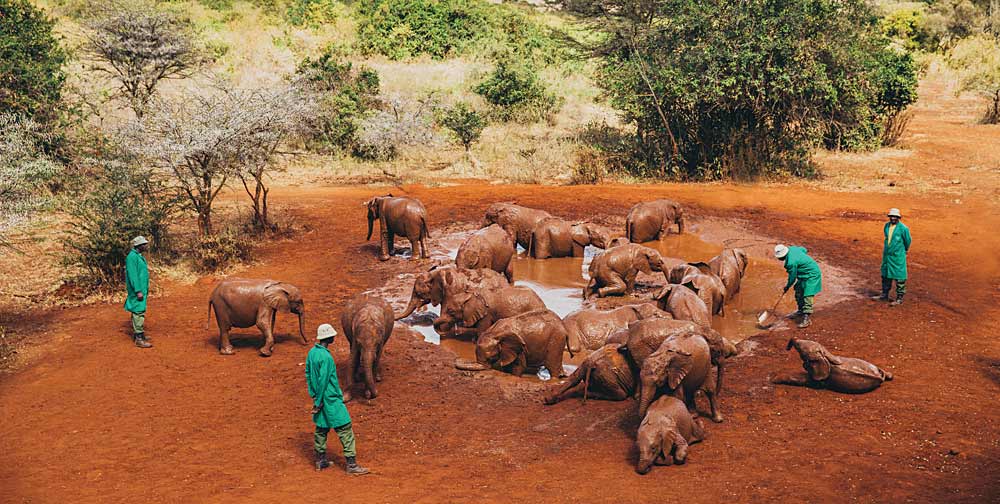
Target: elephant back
point(855, 376)
point(646, 336)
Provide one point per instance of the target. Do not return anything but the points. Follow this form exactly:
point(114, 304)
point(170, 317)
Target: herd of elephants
point(663, 352)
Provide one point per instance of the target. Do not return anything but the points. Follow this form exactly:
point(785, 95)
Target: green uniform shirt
point(321, 376)
point(802, 268)
point(136, 280)
point(894, 251)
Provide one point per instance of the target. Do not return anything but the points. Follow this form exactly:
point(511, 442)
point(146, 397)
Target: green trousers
point(138, 322)
point(344, 432)
point(805, 302)
point(887, 285)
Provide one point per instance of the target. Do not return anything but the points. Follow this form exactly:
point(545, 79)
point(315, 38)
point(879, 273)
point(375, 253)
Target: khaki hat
point(894, 212)
point(780, 251)
point(139, 240)
point(325, 331)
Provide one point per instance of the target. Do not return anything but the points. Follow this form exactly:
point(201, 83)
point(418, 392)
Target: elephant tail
point(423, 227)
point(208, 321)
point(628, 230)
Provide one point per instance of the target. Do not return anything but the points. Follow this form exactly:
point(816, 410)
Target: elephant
point(643, 337)
point(589, 328)
point(651, 220)
point(840, 374)
point(605, 374)
point(680, 368)
point(243, 302)
point(665, 433)
point(555, 237)
point(614, 271)
point(517, 221)
point(488, 248)
point(476, 309)
point(435, 285)
point(521, 343)
point(684, 304)
point(709, 288)
point(367, 322)
point(677, 273)
point(402, 216)
point(730, 266)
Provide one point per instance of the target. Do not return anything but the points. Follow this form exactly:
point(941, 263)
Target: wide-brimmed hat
point(894, 212)
point(780, 251)
point(325, 331)
point(139, 240)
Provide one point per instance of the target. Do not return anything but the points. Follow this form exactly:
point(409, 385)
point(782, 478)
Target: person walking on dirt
point(895, 246)
point(804, 274)
point(328, 402)
point(137, 290)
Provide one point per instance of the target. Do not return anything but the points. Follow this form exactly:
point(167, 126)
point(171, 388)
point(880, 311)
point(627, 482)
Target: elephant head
point(665, 367)
point(648, 311)
point(429, 288)
point(586, 233)
point(816, 359)
point(677, 273)
point(286, 297)
point(656, 437)
point(375, 211)
point(653, 259)
point(500, 348)
point(621, 240)
point(465, 307)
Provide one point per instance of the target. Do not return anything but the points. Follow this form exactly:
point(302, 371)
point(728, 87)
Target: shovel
point(766, 318)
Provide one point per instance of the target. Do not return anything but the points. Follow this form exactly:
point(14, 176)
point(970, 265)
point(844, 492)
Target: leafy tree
point(978, 61)
point(465, 122)
point(516, 93)
point(343, 95)
point(24, 173)
point(31, 62)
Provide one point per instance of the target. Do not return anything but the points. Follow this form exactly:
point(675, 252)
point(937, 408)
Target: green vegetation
point(516, 93)
point(344, 95)
point(31, 63)
point(465, 122)
point(978, 62)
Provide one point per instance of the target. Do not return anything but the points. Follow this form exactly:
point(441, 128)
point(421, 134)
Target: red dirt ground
point(92, 419)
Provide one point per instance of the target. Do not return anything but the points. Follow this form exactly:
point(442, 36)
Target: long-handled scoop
point(766, 318)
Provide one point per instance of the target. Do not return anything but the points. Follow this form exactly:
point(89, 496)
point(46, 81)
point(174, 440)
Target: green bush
point(314, 12)
point(31, 63)
point(465, 122)
point(345, 95)
point(516, 93)
point(217, 251)
point(908, 28)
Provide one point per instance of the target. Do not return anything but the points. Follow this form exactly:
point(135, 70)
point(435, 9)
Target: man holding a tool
point(804, 274)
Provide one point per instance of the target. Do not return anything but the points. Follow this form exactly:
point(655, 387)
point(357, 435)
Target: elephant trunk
point(368, 363)
point(645, 462)
point(302, 326)
point(465, 365)
point(646, 393)
point(415, 302)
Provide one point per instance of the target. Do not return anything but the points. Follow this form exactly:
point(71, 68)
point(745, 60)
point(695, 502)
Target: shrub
point(977, 60)
point(516, 93)
point(220, 250)
point(908, 28)
point(343, 94)
point(314, 12)
point(25, 172)
point(466, 123)
point(382, 132)
point(31, 63)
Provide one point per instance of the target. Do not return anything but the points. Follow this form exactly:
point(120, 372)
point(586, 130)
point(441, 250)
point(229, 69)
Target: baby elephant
point(840, 374)
point(665, 433)
point(367, 323)
point(521, 343)
point(605, 374)
point(242, 302)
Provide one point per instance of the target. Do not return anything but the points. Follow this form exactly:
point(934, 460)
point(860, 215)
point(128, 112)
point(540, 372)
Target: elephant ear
point(665, 291)
point(679, 367)
point(690, 283)
point(511, 347)
point(276, 296)
point(473, 309)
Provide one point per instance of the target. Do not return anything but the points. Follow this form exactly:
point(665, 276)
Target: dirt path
point(93, 419)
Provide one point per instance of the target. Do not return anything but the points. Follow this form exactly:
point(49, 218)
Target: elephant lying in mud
point(684, 304)
point(730, 266)
point(665, 433)
point(589, 328)
point(367, 322)
point(825, 370)
point(605, 374)
point(488, 248)
point(555, 237)
point(398, 216)
point(651, 220)
point(476, 309)
point(437, 284)
point(517, 221)
point(615, 271)
point(524, 342)
point(241, 302)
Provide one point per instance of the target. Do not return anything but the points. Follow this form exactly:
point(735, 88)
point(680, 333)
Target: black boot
point(354, 468)
point(806, 321)
point(898, 301)
point(141, 341)
point(321, 461)
point(882, 297)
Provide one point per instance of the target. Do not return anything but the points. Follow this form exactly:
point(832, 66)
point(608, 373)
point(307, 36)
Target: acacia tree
point(140, 46)
point(24, 171)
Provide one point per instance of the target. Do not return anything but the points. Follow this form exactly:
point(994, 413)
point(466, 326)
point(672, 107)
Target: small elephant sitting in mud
point(665, 433)
point(241, 302)
point(517, 221)
point(475, 309)
point(684, 304)
point(436, 284)
point(825, 370)
point(488, 248)
point(398, 216)
point(605, 374)
point(589, 328)
point(555, 237)
point(521, 343)
point(614, 271)
point(651, 220)
point(730, 266)
point(367, 322)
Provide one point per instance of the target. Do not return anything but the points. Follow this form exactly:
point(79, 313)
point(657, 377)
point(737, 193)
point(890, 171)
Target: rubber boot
point(321, 461)
point(141, 341)
point(806, 322)
point(794, 314)
point(898, 301)
point(881, 297)
point(353, 467)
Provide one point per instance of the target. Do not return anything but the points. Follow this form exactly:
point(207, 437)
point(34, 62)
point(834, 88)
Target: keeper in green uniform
point(328, 402)
point(895, 246)
point(137, 289)
point(804, 274)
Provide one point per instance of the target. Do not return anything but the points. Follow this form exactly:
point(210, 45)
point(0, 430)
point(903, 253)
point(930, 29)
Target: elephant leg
point(377, 366)
point(607, 395)
point(572, 386)
point(264, 324)
point(799, 379)
point(554, 364)
point(615, 286)
point(416, 250)
point(352, 368)
point(384, 241)
point(713, 405)
point(225, 346)
point(630, 282)
point(391, 243)
point(509, 272)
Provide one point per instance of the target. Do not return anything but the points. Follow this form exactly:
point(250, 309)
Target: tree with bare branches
point(24, 171)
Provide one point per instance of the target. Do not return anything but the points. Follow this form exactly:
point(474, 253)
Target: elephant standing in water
point(555, 237)
point(517, 221)
point(615, 271)
point(435, 285)
point(524, 342)
point(707, 285)
point(730, 266)
point(241, 302)
point(400, 216)
point(605, 374)
point(489, 248)
point(684, 304)
point(665, 433)
point(367, 322)
point(826, 370)
point(590, 328)
point(651, 220)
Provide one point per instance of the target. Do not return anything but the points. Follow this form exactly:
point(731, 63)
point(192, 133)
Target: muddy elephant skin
point(665, 433)
point(242, 302)
point(524, 342)
point(826, 370)
point(651, 220)
point(517, 220)
point(679, 368)
point(476, 309)
point(684, 304)
point(590, 328)
point(709, 289)
point(730, 266)
point(367, 322)
point(605, 374)
point(644, 337)
point(435, 285)
point(614, 272)
point(555, 237)
point(398, 216)
point(488, 248)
